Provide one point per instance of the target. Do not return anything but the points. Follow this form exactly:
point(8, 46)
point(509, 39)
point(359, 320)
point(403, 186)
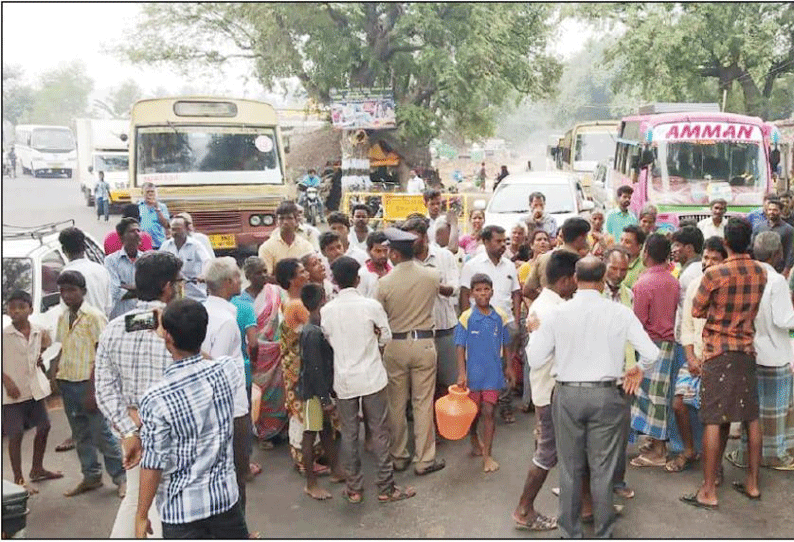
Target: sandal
point(352, 497)
point(739, 487)
point(436, 466)
point(692, 500)
point(45, 475)
point(643, 461)
point(65, 446)
point(645, 447)
point(733, 459)
point(680, 463)
point(540, 523)
point(397, 494)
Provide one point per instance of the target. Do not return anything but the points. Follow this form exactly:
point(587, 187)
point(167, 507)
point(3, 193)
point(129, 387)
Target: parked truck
point(102, 146)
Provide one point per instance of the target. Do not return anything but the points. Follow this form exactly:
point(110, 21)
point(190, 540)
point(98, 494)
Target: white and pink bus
point(680, 157)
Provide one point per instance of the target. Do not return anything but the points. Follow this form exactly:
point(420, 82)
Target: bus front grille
point(217, 222)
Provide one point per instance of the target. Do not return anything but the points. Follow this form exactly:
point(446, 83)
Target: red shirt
point(113, 242)
point(655, 302)
point(379, 272)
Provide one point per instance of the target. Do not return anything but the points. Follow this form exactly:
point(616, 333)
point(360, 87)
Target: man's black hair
point(72, 241)
point(186, 321)
point(689, 235)
point(328, 238)
point(153, 271)
point(431, 193)
point(561, 264)
point(775, 201)
point(287, 208)
point(131, 210)
point(21, 295)
point(124, 224)
point(534, 195)
point(716, 243)
point(345, 270)
point(488, 231)
point(285, 271)
point(71, 278)
point(312, 296)
point(658, 247)
point(635, 230)
point(625, 189)
point(415, 225)
point(573, 228)
point(375, 238)
point(360, 207)
point(338, 217)
point(738, 234)
point(481, 278)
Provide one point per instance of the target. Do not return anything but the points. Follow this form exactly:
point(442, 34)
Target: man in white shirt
point(339, 223)
point(307, 231)
point(415, 184)
point(197, 235)
point(587, 337)
point(358, 235)
point(193, 256)
point(715, 224)
point(432, 200)
point(561, 286)
point(331, 247)
point(360, 379)
point(444, 315)
point(223, 334)
point(506, 292)
point(97, 278)
point(775, 361)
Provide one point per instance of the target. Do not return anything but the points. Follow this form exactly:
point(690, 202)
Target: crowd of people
point(612, 331)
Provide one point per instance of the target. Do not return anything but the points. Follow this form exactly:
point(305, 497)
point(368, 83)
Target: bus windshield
point(594, 146)
point(52, 139)
point(111, 162)
point(696, 172)
point(180, 155)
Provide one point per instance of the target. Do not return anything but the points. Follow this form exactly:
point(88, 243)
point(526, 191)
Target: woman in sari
point(291, 276)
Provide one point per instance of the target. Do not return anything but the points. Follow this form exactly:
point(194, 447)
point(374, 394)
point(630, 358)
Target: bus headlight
point(268, 220)
point(255, 220)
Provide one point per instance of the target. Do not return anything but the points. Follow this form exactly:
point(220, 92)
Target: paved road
point(460, 501)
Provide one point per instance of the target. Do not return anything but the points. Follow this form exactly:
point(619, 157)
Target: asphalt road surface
point(460, 501)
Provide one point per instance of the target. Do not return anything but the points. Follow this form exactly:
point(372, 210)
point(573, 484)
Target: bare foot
point(489, 465)
point(476, 447)
point(317, 492)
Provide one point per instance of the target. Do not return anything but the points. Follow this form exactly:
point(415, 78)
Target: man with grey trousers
point(587, 337)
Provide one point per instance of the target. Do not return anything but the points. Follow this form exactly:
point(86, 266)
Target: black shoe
point(437, 465)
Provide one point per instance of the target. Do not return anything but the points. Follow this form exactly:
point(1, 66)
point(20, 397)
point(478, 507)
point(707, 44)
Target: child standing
point(79, 327)
point(482, 337)
point(24, 388)
point(315, 386)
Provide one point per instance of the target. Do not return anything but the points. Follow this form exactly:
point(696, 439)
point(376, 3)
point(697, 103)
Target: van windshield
point(594, 146)
point(111, 162)
point(52, 139)
point(208, 155)
point(696, 172)
point(514, 198)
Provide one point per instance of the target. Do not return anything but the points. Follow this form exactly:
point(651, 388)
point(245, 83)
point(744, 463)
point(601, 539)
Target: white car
point(32, 261)
point(510, 202)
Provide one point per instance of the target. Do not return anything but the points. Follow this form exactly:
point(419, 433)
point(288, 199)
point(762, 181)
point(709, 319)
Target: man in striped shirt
point(189, 435)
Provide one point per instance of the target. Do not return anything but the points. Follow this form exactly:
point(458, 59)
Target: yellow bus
point(220, 159)
point(585, 145)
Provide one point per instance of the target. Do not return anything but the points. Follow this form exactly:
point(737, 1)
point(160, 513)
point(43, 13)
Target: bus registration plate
point(223, 241)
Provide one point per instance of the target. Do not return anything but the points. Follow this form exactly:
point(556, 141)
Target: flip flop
point(65, 446)
point(540, 523)
point(46, 475)
point(352, 497)
point(397, 494)
point(642, 461)
point(692, 500)
point(739, 487)
point(436, 466)
point(680, 463)
point(733, 459)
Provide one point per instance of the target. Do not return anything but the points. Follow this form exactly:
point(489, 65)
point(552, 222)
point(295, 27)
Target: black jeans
point(229, 525)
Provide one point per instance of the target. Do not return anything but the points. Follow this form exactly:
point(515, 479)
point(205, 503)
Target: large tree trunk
point(411, 154)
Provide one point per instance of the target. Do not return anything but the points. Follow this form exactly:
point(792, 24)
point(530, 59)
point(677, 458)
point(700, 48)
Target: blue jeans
point(91, 431)
point(102, 208)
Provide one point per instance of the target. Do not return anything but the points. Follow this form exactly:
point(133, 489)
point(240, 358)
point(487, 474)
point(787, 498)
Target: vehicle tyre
point(35, 173)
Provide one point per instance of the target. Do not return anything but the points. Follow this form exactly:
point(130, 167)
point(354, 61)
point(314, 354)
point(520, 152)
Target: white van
point(43, 150)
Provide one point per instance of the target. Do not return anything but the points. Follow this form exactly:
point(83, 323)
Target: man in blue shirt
point(619, 218)
point(154, 215)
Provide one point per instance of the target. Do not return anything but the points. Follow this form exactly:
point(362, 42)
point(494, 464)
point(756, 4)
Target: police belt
point(415, 334)
point(597, 384)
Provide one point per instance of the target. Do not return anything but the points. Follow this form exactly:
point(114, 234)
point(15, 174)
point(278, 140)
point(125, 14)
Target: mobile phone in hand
point(141, 322)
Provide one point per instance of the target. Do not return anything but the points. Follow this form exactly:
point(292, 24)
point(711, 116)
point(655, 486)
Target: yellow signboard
point(399, 206)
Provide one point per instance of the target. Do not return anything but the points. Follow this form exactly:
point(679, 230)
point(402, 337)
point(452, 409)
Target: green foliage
point(17, 96)
point(696, 51)
point(62, 95)
point(451, 65)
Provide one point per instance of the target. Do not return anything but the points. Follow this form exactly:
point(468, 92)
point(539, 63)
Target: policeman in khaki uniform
point(408, 294)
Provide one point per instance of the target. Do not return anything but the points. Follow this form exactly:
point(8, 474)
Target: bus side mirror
point(647, 158)
point(123, 137)
point(774, 158)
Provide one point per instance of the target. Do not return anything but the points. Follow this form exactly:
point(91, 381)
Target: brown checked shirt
point(728, 298)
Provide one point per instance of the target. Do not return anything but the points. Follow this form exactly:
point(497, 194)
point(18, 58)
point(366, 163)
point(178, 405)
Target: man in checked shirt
point(728, 298)
point(127, 364)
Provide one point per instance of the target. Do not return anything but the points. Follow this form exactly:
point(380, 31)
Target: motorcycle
point(310, 200)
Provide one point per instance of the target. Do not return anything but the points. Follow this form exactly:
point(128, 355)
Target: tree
point(17, 96)
point(121, 98)
point(63, 95)
point(449, 65)
point(685, 51)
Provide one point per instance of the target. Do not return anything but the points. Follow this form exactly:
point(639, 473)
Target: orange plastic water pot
point(454, 413)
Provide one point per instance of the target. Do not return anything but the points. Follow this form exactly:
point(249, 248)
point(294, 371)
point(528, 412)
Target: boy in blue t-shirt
point(482, 337)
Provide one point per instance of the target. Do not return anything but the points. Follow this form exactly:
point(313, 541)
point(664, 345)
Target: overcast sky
point(39, 37)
